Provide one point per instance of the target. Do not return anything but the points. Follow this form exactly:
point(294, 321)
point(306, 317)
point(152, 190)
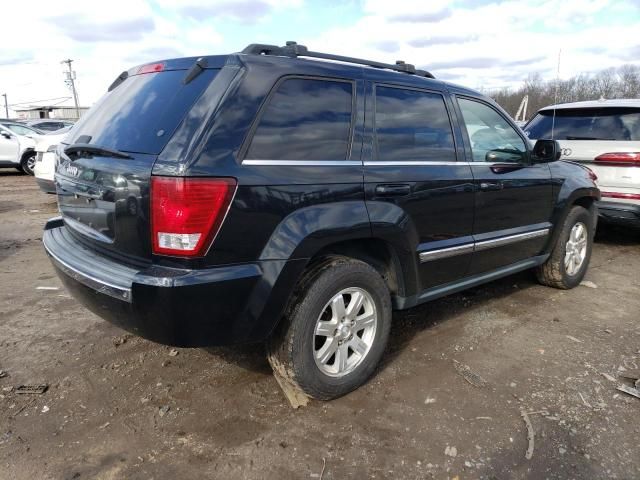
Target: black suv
point(295, 197)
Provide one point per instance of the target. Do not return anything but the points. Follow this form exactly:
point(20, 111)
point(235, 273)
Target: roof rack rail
point(292, 49)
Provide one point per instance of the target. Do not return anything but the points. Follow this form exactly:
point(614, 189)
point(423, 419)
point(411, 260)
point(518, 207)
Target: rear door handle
point(490, 186)
point(393, 190)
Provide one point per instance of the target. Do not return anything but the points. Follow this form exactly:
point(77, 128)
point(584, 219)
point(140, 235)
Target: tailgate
point(103, 190)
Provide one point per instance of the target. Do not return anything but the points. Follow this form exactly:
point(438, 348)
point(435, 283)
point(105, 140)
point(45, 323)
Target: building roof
point(618, 102)
point(46, 107)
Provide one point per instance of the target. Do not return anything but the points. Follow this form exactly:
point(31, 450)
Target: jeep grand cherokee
point(297, 198)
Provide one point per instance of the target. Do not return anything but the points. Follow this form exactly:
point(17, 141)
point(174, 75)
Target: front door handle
point(490, 186)
point(393, 190)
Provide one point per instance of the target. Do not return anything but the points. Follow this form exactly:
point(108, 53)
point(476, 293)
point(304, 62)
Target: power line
point(30, 102)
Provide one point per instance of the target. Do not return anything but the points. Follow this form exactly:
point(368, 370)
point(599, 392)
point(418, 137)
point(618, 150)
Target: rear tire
point(569, 260)
point(335, 330)
point(28, 162)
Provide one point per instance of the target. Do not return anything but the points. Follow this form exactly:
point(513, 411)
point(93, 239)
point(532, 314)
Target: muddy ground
point(122, 407)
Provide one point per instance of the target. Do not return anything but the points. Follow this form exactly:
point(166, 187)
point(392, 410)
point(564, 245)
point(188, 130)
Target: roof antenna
point(555, 99)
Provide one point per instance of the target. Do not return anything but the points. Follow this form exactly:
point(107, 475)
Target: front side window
point(492, 138)
point(306, 119)
point(412, 126)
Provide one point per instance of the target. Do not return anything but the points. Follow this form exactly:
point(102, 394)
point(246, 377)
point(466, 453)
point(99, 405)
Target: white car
point(17, 150)
point(45, 167)
point(605, 136)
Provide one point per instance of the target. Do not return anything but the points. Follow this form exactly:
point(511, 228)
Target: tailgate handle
point(393, 190)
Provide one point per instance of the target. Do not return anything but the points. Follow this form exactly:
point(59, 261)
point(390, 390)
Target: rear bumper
point(47, 186)
point(180, 307)
point(620, 213)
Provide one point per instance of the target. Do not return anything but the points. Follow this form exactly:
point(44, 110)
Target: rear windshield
point(141, 114)
point(586, 124)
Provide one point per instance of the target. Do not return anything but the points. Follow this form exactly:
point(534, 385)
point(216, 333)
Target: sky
point(480, 44)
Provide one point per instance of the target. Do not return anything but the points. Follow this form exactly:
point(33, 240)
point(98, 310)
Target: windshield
point(141, 114)
point(586, 124)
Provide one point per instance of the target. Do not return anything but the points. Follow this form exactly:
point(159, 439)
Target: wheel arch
point(374, 251)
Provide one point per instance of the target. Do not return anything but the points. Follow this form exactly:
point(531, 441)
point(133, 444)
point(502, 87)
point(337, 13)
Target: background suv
point(17, 148)
point(605, 136)
point(272, 195)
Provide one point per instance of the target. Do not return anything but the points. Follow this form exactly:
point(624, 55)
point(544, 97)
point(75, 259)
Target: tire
point(301, 354)
point(28, 162)
point(556, 272)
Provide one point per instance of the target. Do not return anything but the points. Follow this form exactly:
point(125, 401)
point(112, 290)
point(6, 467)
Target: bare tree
point(623, 82)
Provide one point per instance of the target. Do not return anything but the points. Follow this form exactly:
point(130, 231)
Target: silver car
point(605, 136)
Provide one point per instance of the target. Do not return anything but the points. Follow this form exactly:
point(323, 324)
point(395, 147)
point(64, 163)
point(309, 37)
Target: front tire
point(335, 330)
point(569, 260)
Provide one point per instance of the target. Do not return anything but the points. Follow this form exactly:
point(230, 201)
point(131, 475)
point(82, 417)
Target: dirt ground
point(122, 407)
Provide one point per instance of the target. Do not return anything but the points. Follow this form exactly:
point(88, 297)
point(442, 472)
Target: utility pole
point(71, 75)
point(6, 106)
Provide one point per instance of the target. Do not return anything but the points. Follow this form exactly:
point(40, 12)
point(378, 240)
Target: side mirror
point(5, 134)
point(545, 151)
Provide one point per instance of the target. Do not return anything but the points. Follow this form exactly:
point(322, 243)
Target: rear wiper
point(95, 149)
point(587, 138)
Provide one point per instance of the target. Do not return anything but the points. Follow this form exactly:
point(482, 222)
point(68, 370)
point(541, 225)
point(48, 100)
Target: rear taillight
point(631, 159)
point(625, 196)
point(186, 213)
point(150, 68)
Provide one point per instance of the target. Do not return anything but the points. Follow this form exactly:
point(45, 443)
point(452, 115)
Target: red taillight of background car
point(625, 196)
point(631, 159)
point(186, 213)
point(150, 68)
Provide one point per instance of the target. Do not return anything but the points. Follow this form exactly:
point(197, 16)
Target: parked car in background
point(46, 163)
point(266, 196)
point(48, 124)
point(605, 136)
point(17, 151)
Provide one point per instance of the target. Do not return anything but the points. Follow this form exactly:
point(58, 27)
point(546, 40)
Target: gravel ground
point(118, 406)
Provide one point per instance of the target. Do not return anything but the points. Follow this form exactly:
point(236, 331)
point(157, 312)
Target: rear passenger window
point(305, 119)
point(412, 126)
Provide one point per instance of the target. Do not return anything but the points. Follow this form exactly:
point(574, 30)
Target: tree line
point(621, 82)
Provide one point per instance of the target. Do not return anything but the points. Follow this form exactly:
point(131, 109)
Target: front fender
point(571, 183)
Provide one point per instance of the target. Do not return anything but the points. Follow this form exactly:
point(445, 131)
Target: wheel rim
point(576, 249)
point(344, 332)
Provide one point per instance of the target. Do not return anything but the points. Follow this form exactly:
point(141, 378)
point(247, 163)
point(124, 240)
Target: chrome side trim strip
point(438, 254)
point(101, 286)
point(393, 163)
point(304, 163)
point(356, 163)
point(499, 242)
point(445, 252)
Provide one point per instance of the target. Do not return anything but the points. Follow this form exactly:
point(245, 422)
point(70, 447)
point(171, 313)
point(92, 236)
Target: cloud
point(422, 17)
point(629, 53)
point(245, 11)
point(386, 45)
point(16, 57)
point(154, 53)
point(83, 29)
point(442, 40)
